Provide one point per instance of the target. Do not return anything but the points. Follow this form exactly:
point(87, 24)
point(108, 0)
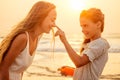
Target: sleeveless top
point(21, 63)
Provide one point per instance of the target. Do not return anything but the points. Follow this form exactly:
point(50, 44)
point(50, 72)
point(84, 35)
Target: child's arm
point(77, 59)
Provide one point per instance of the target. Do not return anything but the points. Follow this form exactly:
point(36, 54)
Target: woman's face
point(49, 21)
point(89, 28)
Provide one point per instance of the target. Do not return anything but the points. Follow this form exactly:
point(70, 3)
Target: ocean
point(46, 44)
point(75, 41)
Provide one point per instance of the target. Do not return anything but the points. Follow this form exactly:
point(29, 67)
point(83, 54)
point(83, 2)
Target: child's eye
point(85, 25)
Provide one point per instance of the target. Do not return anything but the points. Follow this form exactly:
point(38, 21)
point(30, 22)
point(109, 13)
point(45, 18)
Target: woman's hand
point(61, 34)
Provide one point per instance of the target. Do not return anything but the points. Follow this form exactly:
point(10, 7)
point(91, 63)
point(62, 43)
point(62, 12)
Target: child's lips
point(85, 33)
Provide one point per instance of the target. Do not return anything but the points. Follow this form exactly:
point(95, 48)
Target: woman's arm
point(77, 59)
point(16, 47)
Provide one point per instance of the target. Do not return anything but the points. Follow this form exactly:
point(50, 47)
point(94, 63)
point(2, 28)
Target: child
point(94, 51)
point(19, 46)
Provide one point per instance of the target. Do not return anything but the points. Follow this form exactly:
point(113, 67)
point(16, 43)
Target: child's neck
point(95, 37)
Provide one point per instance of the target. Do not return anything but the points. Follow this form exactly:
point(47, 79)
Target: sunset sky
point(13, 11)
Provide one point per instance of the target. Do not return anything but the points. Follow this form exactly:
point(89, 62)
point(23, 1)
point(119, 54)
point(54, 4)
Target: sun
point(77, 4)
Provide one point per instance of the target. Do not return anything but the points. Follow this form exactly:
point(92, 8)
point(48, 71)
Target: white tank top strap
point(27, 39)
point(28, 43)
point(27, 36)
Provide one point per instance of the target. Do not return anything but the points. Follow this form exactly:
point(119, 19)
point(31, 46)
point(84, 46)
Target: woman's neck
point(34, 34)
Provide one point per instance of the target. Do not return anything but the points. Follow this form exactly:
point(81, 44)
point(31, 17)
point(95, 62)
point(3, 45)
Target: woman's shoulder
point(20, 40)
point(21, 37)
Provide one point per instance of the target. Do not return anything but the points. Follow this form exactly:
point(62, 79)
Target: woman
point(94, 51)
point(19, 46)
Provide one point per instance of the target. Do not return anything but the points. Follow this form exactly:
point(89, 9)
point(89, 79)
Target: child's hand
point(61, 34)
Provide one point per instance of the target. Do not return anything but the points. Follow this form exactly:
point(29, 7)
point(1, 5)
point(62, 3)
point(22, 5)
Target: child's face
point(49, 21)
point(89, 28)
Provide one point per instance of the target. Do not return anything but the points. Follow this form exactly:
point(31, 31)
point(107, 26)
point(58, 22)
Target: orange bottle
point(66, 70)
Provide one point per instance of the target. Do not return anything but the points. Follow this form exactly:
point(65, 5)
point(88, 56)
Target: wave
point(45, 43)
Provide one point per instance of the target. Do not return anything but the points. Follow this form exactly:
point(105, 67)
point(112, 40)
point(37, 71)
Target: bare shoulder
point(17, 45)
point(21, 38)
point(20, 41)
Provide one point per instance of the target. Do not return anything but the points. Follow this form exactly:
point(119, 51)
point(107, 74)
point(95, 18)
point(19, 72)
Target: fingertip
point(56, 34)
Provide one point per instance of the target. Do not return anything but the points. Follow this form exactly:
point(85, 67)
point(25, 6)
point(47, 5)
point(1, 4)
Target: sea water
point(75, 41)
point(46, 44)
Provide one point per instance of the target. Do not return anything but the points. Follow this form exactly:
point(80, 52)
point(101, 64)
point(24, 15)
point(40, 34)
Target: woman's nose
point(54, 25)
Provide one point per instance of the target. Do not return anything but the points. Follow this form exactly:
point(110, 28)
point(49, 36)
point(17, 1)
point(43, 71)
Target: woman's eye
point(53, 20)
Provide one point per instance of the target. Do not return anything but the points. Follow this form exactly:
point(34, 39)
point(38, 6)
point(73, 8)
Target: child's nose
point(83, 30)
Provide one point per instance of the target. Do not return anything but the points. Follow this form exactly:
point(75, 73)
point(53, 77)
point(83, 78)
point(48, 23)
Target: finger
point(56, 34)
point(58, 28)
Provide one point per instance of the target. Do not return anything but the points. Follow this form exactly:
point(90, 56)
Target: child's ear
point(99, 24)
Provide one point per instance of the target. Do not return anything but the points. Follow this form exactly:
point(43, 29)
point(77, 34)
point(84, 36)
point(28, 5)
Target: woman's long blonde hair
point(37, 13)
point(94, 15)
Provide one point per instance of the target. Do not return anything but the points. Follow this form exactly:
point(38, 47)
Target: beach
point(45, 65)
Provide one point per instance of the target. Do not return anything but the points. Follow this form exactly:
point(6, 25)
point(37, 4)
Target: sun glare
point(78, 4)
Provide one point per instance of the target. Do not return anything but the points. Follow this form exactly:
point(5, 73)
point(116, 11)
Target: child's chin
point(85, 37)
